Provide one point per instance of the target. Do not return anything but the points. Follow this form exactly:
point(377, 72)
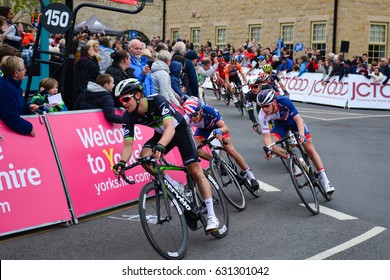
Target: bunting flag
point(128, 2)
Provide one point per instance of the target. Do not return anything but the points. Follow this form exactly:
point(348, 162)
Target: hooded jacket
point(162, 81)
point(97, 97)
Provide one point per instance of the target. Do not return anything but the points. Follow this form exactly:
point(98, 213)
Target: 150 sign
point(56, 18)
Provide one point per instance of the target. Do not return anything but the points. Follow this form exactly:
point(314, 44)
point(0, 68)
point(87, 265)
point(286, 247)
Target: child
point(48, 87)
point(376, 75)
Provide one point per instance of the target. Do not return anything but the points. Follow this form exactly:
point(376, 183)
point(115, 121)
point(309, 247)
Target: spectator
point(86, 70)
point(99, 96)
point(161, 78)
point(302, 65)
point(286, 64)
point(13, 34)
point(28, 37)
point(338, 69)
point(385, 70)
point(95, 46)
point(276, 61)
point(321, 67)
point(140, 66)
point(206, 69)
point(12, 103)
point(328, 68)
point(35, 18)
point(312, 65)
point(47, 87)
point(376, 75)
point(176, 68)
point(120, 70)
point(105, 52)
point(179, 51)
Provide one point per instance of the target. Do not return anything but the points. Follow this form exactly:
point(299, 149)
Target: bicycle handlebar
point(208, 141)
point(284, 139)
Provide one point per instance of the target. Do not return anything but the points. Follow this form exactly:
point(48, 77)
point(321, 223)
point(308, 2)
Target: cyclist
point(219, 77)
point(281, 110)
point(250, 97)
point(208, 120)
point(170, 130)
point(231, 75)
point(271, 80)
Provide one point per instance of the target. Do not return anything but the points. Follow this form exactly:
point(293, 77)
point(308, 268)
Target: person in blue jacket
point(286, 64)
point(12, 103)
point(176, 83)
point(140, 65)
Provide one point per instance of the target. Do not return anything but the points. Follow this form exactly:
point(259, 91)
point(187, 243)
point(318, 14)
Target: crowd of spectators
point(173, 69)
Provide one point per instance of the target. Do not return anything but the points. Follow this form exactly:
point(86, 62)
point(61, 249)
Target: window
point(255, 33)
point(175, 35)
point(195, 38)
point(318, 37)
point(287, 34)
point(377, 42)
point(220, 37)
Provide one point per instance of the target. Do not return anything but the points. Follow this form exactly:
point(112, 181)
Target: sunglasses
point(254, 86)
point(125, 98)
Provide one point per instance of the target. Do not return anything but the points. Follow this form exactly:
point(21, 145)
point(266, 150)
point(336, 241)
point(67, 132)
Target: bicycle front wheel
point(163, 223)
point(230, 187)
point(303, 185)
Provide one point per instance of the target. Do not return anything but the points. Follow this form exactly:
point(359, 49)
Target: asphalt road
point(355, 149)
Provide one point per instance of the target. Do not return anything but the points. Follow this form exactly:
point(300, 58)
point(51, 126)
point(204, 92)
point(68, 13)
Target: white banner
point(354, 91)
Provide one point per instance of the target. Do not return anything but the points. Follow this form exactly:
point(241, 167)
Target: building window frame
point(175, 34)
point(287, 34)
point(377, 41)
point(255, 33)
point(221, 37)
point(195, 37)
point(318, 36)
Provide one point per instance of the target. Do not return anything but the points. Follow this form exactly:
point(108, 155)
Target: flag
point(128, 2)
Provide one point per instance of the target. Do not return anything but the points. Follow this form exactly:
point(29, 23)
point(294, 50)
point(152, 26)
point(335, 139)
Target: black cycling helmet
point(265, 97)
point(130, 85)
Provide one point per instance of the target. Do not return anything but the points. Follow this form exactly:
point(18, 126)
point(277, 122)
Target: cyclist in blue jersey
point(170, 130)
point(285, 116)
point(208, 120)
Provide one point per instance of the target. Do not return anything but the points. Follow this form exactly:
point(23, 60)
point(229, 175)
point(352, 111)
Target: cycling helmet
point(233, 60)
point(265, 97)
point(264, 77)
point(130, 85)
point(192, 106)
point(221, 59)
point(267, 68)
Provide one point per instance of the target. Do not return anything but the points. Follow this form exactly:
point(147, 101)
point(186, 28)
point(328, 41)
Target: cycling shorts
point(281, 127)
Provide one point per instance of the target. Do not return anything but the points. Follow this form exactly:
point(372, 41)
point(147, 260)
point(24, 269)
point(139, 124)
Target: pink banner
point(88, 147)
point(31, 191)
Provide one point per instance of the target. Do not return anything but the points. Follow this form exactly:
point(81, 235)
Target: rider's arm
point(300, 124)
point(242, 73)
point(169, 131)
point(222, 126)
point(127, 149)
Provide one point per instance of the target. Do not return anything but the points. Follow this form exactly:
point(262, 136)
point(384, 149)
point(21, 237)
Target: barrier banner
point(31, 191)
point(88, 147)
point(364, 93)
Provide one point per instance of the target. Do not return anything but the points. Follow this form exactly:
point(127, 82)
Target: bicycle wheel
point(242, 101)
point(166, 232)
point(230, 187)
point(217, 91)
point(239, 104)
point(303, 185)
point(226, 98)
point(220, 208)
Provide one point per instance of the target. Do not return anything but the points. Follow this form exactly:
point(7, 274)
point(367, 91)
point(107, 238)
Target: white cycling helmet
point(128, 86)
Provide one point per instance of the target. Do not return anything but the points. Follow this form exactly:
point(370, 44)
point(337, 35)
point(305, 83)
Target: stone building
point(319, 24)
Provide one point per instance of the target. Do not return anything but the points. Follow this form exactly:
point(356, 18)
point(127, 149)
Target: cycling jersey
point(270, 82)
point(208, 122)
point(221, 69)
point(283, 118)
point(159, 109)
point(250, 104)
point(231, 70)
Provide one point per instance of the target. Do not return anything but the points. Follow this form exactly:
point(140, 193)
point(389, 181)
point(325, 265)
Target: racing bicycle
point(302, 172)
point(166, 213)
point(228, 175)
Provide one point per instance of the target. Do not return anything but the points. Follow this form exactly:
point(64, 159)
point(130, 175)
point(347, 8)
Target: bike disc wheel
point(230, 187)
point(166, 232)
point(304, 186)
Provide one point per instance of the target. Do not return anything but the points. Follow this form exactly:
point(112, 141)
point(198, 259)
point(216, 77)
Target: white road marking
point(346, 118)
point(266, 187)
point(346, 245)
point(336, 214)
